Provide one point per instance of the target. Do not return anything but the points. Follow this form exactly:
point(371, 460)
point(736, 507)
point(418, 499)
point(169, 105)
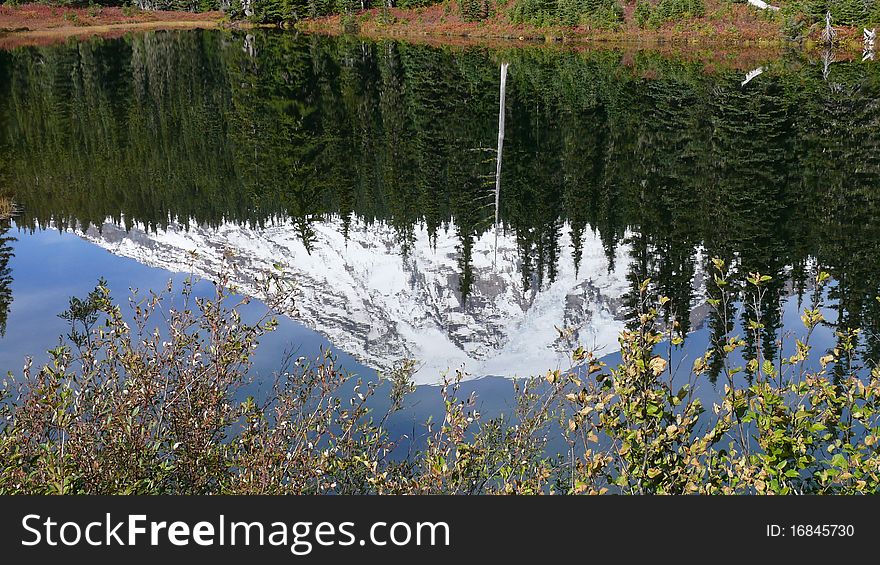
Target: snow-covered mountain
point(373, 303)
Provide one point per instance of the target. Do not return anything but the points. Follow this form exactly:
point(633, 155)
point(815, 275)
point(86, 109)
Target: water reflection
point(369, 172)
point(6, 254)
point(358, 291)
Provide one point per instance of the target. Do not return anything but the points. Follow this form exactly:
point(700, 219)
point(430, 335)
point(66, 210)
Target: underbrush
point(148, 401)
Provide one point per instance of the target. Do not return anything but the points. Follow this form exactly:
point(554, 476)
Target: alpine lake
point(476, 209)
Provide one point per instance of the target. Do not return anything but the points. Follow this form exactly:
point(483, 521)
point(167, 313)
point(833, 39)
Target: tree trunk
point(502, 96)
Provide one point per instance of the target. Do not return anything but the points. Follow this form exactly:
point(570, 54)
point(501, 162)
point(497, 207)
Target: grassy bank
point(707, 23)
point(30, 24)
point(719, 22)
point(725, 23)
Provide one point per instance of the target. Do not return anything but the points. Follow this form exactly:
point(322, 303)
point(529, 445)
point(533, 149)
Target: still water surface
point(368, 172)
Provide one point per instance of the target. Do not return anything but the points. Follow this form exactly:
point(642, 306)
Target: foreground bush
point(151, 407)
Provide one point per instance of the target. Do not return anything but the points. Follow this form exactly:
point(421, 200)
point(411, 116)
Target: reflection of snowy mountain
point(372, 303)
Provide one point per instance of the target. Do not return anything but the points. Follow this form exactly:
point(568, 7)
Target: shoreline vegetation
point(723, 23)
point(142, 400)
point(7, 208)
point(641, 23)
point(41, 24)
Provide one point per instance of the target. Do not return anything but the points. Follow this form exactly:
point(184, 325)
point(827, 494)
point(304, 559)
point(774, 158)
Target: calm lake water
point(368, 172)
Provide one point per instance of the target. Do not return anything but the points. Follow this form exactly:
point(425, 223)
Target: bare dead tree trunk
point(250, 47)
point(828, 34)
point(827, 59)
point(503, 91)
point(869, 36)
point(752, 74)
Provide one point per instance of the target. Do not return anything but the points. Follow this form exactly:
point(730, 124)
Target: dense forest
point(775, 176)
